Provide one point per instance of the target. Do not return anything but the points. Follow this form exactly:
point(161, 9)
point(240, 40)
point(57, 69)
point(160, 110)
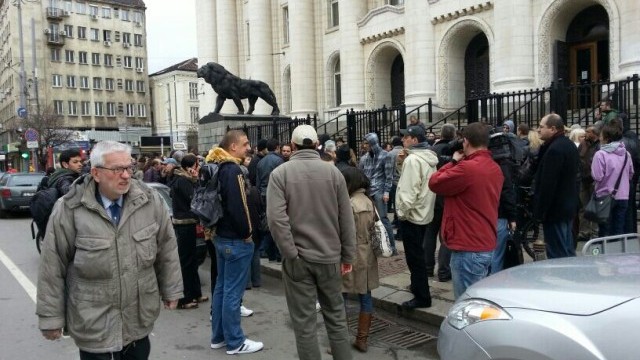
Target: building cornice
point(383, 35)
point(381, 10)
point(473, 9)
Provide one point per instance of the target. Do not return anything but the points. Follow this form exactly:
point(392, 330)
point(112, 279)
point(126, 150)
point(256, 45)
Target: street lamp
point(169, 110)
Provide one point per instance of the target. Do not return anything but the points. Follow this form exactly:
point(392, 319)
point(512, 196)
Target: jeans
point(391, 204)
point(136, 350)
point(254, 277)
point(414, 252)
point(366, 301)
point(467, 268)
point(186, 235)
point(631, 219)
point(234, 259)
point(617, 218)
point(497, 261)
point(558, 239)
point(382, 212)
point(270, 247)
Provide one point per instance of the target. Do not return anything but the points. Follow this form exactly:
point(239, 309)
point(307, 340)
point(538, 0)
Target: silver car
point(582, 308)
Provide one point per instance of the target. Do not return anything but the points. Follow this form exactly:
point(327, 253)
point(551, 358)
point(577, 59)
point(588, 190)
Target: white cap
point(302, 132)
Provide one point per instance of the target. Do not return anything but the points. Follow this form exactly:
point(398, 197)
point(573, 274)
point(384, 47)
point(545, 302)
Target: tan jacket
point(105, 283)
point(415, 202)
point(364, 276)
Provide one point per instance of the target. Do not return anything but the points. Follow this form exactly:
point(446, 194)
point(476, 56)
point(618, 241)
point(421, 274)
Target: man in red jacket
point(471, 185)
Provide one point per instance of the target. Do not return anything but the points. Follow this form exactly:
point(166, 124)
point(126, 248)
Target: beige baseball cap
point(302, 132)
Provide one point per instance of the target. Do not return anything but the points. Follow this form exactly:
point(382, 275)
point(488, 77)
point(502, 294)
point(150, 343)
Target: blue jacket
point(264, 168)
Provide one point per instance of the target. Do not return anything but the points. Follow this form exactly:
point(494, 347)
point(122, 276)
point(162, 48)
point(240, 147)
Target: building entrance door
point(583, 70)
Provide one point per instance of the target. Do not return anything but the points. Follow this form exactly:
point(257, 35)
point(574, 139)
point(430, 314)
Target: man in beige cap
point(301, 199)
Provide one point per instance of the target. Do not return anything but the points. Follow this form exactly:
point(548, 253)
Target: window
point(82, 32)
point(81, 8)
point(84, 82)
point(82, 57)
point(285, 25)
point(93, 10)
point(334, 15)
point(97, 83)
point(68, 56)
point(95, 34)
point(95, 58)
point(73, 107)
point(106, 13)
point(124, 15)
point(68, 6)
point(131, 110)
point(71, 81)
point(336, 84)
point(127, 61)
point(68, 31)
point(128, 85)
point(137, 17)
point(108, 84)
point(58, 107)
point(195, 114)
point(126, 37)
point(56, 80)
point(106, 35)
point(395, 2)
point(139, 63)
point(55, 54)
point(86, 108)
point(99, 108)
point(248, 47)
point(193, 91)
point(140, 86)
point(137, 39)
point(108, 60)
point(111, 109)
point(142, 110)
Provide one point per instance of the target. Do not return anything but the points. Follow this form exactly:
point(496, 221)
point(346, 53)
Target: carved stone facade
point(432, 38)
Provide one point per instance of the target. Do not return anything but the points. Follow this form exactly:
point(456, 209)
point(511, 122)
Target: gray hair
point(103, 148)
point(447, 132)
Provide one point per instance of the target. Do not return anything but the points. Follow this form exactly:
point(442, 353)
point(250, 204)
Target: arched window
point(336, 85)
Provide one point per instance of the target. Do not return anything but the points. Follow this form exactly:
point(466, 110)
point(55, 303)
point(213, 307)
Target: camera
point(455, 145)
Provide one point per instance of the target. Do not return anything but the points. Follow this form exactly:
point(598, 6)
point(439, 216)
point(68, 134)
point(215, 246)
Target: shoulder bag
point(598, 209)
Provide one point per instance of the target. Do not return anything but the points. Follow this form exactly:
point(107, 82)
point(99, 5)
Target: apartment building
point(83, 60)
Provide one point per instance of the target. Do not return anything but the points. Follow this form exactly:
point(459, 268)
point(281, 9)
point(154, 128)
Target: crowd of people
point(311, 205)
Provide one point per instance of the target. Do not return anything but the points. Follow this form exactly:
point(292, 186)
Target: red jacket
point(471, 190)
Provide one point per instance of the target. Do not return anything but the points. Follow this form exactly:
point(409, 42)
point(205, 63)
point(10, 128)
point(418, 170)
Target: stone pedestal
point(212, 127)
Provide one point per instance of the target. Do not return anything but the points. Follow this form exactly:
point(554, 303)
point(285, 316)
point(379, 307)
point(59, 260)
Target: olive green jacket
point(104, 282)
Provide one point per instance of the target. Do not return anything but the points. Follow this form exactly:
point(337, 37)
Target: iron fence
point(277, 129)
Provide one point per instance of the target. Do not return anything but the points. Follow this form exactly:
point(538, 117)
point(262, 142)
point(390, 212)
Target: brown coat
point(364, 276)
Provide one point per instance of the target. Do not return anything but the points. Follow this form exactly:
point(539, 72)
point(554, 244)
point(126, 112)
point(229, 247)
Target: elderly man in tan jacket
point(109, 258)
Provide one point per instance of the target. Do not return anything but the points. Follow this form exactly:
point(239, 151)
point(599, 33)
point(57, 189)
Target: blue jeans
point(497, 261)
point(234, 258)
point(366, 302)
point(558, 238)
point(382, 212)
point(270, 247)
point(254, 277)
point(467, 268)
point(615, 226)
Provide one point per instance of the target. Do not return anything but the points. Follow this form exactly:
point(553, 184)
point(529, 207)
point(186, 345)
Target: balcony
point(55, 39)
point(55, 13)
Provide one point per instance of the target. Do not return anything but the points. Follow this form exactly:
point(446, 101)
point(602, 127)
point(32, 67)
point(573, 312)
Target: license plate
point(28, 194)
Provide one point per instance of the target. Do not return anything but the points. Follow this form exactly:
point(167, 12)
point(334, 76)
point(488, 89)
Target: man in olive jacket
point(109, 258)
point(310, 217)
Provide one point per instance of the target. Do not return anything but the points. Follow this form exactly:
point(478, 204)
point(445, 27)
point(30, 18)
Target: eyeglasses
point(119, 170)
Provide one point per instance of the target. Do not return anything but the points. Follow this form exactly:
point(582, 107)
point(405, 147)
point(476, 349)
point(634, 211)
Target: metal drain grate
point(377, 324)
point(404, 338)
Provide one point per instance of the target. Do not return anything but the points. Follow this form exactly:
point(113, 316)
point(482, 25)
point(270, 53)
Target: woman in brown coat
point(364, 276)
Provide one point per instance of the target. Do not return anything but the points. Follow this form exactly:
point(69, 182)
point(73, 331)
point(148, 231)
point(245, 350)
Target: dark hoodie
point(182, 188)
point(343, 157)
point(62, 179)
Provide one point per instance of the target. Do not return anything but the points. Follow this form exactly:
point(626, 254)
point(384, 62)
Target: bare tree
point(50, 126)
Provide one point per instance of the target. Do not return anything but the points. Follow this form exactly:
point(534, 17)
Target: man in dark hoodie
point(379, 167)
point(253, 165)
point(71, 166)
point(343, 157)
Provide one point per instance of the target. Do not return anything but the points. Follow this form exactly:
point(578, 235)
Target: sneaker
point(248, 347)
point(218, 345)
point(65, 333)
point(244, 312)
point(318, 308)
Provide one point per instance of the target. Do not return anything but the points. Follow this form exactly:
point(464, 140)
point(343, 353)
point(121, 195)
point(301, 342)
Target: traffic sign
point(32, 144)
point(179, 145)
point(31, 135)
point(22, 112)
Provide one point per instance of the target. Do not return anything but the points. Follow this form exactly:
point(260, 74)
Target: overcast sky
point(171, 32)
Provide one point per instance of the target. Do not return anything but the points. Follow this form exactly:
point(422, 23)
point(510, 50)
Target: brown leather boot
point(364, 323)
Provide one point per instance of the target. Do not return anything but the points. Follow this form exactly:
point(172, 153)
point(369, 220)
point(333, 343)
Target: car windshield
point(25, 180)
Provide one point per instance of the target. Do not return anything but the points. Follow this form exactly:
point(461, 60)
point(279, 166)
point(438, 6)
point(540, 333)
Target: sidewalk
point(394, 289)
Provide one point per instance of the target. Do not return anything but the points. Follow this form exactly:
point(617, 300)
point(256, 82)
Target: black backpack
point(207, 202)
point(41, 207)
point(506, 146)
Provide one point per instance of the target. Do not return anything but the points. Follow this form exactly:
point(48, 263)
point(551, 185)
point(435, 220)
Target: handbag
point(512, 254)
point(380, 238)
point(598, 209)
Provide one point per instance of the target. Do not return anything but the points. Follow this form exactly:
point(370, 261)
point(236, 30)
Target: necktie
point(114, 209)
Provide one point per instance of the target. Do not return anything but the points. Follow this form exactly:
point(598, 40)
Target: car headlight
point(471, 311)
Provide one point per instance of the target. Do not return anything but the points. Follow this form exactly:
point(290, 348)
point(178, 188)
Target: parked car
point(165, 193)
point(16, 191)
point(585, 307)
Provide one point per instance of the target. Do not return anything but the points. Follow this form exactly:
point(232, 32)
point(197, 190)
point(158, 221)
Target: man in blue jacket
point(234, 247)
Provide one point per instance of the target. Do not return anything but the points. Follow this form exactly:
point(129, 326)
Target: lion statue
point(229, 86)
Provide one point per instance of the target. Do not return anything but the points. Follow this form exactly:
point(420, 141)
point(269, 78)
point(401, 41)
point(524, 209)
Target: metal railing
point(277, 129)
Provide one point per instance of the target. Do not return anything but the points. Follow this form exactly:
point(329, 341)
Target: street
point(183, 334)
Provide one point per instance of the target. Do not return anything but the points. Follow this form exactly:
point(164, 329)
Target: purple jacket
point(606, 168)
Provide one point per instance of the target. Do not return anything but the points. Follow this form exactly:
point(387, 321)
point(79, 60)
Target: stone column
point(260, 64)
point(420, 59)
point(228, 38)
point(629, 36)
point(302, 51)
point(207, 49)
point(511, 54)
point(352, 64)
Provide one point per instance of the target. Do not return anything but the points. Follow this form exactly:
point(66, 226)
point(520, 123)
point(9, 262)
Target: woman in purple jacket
point(608, 163)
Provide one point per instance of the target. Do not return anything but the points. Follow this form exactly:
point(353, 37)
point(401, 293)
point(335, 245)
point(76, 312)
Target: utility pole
point(35, 65)
point(22, 73)
point(170, 117)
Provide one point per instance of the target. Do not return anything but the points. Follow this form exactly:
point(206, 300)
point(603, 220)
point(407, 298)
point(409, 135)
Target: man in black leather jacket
point(71, 166)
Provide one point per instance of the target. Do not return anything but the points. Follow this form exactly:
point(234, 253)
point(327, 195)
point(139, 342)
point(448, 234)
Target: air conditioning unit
point(138, 24)
point(107, 43)
point(126, 45)
point(66, 13)
point(47, 31)
point(139, 70)
point(94, 16)
point(62, 33)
